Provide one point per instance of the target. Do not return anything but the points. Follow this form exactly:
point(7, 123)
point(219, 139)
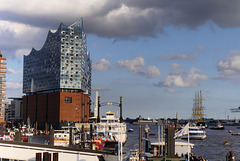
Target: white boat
point(195, 133)
point(6, 138)
point(218, 126)
point(61, 137)
point(111, 130)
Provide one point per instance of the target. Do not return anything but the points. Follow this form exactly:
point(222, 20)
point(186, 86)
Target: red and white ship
point(111, 130)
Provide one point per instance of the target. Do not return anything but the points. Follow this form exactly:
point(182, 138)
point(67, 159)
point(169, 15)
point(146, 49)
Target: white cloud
point(21, 52)
point(183, 78)
point(229, 68)
point(15, 36)
point(150, 72)
point(173, 56)
point(101, 65)
point(12, 71)
point(136, 66)
point(13, 85)
point(133, 65)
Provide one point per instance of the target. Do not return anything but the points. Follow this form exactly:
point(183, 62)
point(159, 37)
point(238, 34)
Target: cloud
point(150, 72)
point(21, 52)
point(17, 37)
point(12, 71)
point(137, 66)
point(173, 56)
point(171, 90)
point(229, 68)
point(133, 65)
point(101, 65)
point(200, 47)
point(123, 19)
point(180, 77)
point(13, 85)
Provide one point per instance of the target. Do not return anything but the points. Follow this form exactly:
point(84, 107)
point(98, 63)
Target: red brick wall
point(51, 107)
point(32, 108)
point(24, 108)
point(41, 108)
point(76, 111)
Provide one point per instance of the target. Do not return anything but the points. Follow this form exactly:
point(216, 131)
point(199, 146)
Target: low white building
point(181, 147)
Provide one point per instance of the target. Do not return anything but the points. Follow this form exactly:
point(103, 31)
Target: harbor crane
point(235, 109)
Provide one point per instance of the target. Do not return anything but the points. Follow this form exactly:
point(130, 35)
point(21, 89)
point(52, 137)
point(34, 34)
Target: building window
point(68, 100)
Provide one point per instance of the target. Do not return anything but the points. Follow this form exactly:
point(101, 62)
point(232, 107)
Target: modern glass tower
point(59, 71)
point(63, 63)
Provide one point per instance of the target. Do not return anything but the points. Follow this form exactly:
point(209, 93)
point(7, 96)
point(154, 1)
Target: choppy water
point(212, 148)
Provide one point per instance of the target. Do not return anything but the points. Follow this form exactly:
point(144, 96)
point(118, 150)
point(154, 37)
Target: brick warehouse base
point(56, 107)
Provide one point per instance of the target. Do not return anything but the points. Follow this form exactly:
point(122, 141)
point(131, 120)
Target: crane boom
point(235, 109)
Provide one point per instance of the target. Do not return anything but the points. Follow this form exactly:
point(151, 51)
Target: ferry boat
point(195, 133)
point(111, 130)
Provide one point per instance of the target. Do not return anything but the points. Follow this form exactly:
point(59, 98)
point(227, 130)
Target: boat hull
point(194, 137)
point(217, 128)
point(111, 144)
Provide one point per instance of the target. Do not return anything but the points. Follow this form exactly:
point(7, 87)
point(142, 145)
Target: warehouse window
point(68, 100)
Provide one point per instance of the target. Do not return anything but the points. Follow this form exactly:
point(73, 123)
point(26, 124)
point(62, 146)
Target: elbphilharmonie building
point(57, 78)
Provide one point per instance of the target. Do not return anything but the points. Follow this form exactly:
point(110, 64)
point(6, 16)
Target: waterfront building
point(14, 109)
point(3, 63)
point(57, 78)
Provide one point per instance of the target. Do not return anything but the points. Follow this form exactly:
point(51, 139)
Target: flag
point(182, 132)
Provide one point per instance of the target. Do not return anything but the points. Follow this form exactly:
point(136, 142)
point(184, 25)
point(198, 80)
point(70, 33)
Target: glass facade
point(63, 63)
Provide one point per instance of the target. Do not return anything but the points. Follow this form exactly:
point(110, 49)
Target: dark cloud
point(129, 18)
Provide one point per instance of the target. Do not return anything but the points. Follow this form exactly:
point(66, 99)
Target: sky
point(155, 54)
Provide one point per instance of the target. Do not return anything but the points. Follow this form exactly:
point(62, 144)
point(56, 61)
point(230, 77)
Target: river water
point(212, 148)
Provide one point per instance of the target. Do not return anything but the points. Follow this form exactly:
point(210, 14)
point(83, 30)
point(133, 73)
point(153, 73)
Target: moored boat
point(62, 137)
point(130, 130)
point(111, 130)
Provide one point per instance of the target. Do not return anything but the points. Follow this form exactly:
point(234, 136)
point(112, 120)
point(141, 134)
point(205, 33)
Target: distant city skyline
point(155, 54)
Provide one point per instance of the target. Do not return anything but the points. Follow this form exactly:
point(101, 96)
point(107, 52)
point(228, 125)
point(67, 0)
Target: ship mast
point(198, 107)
